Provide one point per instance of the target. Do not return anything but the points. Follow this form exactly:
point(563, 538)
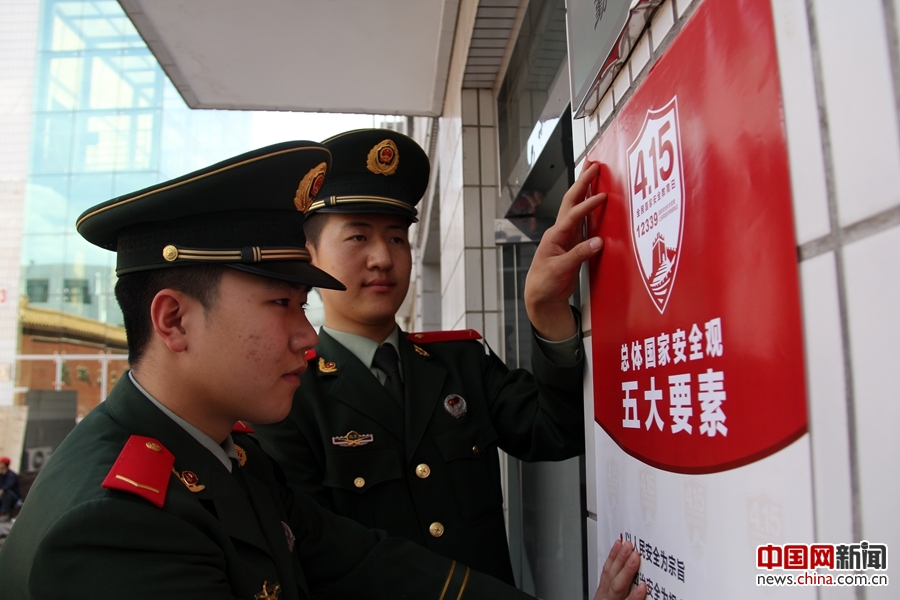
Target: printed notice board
point(696, 337)
point(698, 363)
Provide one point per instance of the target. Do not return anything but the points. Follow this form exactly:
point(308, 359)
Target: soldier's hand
point(553, 275)
point(621, 566)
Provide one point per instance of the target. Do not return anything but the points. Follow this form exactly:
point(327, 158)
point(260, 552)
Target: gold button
point(423, 471)
point(476, 449)
point(154, 447)
point(436, 529)
point(359, 482)
point(170, 253)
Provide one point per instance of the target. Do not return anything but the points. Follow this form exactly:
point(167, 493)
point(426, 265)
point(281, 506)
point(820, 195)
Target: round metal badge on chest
point(455, 405)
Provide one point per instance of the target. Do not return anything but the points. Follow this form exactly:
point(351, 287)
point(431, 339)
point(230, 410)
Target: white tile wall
point(811, 219)
point(450, 260)
point(473, 281)
point(683, 5)
point(621, 85)
point(872, 272)
point(640, 56)
point(594, 564)
point(603, 112)
point(488, 145)
point(452, 227)
point(590, 452)
point(662, 22)
point(578, 142)
point(486, 108)
point(490, 279)
point(859, 102)
point(488, 215)
point(453, 297)
point(826, 399)
point(474, 320)
point(472, 211)
point(470, 156)
point(470, 107)
point(492, 330)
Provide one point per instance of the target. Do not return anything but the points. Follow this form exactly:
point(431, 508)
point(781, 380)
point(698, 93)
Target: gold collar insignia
point(242, 455)
point(190, 480)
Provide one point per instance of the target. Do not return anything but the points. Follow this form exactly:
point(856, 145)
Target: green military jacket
point(231, 536)
point(431, 475)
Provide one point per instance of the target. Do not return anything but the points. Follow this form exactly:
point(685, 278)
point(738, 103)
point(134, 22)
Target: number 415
point(665, 148)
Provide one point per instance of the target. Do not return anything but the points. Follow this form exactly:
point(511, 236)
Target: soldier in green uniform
point(160, 492)
point(401, 431)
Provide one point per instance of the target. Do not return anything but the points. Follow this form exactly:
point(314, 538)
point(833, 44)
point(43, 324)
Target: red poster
point(697, 339)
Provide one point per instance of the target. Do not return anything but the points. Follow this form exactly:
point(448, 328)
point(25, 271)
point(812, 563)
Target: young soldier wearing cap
point(410, 445)
point(160, 492)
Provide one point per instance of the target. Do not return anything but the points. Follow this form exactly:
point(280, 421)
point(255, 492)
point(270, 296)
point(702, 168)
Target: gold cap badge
point(384, 158)
point(309, 187)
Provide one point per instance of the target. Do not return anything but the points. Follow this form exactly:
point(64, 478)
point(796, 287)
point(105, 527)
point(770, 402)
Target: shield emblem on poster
point(656, 184)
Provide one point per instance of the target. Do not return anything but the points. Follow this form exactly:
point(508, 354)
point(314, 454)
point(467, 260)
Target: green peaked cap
point(245, 212)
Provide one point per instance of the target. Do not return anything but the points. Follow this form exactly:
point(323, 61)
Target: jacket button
point(476, 449)
point(359, 482)
point(423, 471)
point(436, 529)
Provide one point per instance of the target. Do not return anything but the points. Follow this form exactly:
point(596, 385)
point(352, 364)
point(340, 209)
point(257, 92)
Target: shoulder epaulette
point(241, 427)
point(310, 354)
point(428, 337)
point(144, 467)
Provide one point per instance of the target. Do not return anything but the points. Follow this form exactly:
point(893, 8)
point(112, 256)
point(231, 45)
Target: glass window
point(38, 290)
point(76, 291)
point(546, 516)
point(538, 55)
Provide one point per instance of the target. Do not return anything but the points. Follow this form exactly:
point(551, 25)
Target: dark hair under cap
point(375, 171)
point(245, 213)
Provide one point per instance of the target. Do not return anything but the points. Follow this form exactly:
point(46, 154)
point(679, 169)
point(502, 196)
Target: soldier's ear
point(169, 311)
point(312, 253)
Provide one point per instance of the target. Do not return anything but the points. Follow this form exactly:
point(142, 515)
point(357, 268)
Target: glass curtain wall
point(106, 121)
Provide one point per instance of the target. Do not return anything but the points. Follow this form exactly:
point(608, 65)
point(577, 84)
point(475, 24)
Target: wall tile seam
point(837, 233)
point(854, 232)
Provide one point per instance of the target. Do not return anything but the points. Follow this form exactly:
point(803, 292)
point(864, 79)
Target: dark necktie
point(387, 361)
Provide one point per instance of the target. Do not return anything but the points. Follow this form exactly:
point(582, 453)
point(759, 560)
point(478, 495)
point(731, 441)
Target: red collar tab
point(144, 468)
point(241, 427)
point(428, 337)
point(310, 354)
